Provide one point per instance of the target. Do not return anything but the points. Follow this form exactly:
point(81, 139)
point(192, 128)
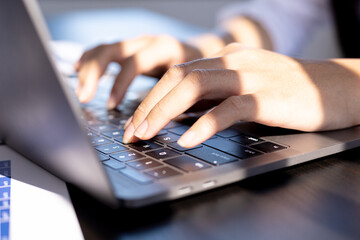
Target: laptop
point(33, 202)
point(41, 119)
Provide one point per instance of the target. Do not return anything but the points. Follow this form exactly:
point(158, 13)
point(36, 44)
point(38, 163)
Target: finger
point(230, 48)
point(127, 48)
point(91, 54)
point(145, 60)
point(197, 85)
point(93, 63)
point(81, 60)
point(91, 68)
point(240, 57)
point(121, 50)
point(162, 52)
point(229, 112)
point(172, 77)
point(88, 77)
point(204, 105)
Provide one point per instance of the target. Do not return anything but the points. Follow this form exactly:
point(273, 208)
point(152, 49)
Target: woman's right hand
point(147, 55)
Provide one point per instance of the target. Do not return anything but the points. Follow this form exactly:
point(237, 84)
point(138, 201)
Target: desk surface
point(315, 200)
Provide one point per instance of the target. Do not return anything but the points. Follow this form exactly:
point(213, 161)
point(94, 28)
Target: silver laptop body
point(40, 120)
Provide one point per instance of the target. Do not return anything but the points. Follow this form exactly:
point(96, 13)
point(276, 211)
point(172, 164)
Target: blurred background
point(89, 22)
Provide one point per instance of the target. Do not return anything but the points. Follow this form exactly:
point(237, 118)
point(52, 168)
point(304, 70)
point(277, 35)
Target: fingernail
point(129, 134)
point(83, 95)
point(141, 130)
point(186, 139)
point(111, 103)
point(128, 122)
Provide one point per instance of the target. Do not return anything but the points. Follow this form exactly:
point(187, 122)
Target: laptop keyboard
point(161, 157)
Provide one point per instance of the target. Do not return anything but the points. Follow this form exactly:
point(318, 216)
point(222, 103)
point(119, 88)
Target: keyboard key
point(91, 134)
point(245, 140)
point(114, 133)
point(211, 155)
point(127, 156)
point(187, 164)
point(136, 176)
point(111, 115)
point(180, 148)
point(268, 147)
point(162, 172)
point(114, 164)
point(179, 130)
point(144, 164)
point(111, 148)
point(97, 141)
point(172, 124)
point(143, 146)
point(119, 139)
point(162, 154)
point(102, 157)
point(129, 104)
point(167, 138)
point(232, 148)
point(118, 121)
point(103, 128)
point(94, 122)
point(162, 132)
point(228, 133)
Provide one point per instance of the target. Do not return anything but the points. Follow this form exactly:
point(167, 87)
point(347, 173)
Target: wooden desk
point(315, 200)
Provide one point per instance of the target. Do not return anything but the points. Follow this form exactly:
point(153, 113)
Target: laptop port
point(209, 184)
point(184, 190)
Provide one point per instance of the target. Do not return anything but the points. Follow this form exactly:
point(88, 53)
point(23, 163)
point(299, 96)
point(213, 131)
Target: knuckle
point(243, 106)
point(141, 109)
point(166, 38)
point(235, 103)
point(101, 47)
point(96, 52)
point(85, 54)
point(176, 71)
point(251, 54)
point(208, 125)
point(159, 110)
point(140, 113)
point(198, 78)
point(241, 56)
point(233, 45)
point(108, 49)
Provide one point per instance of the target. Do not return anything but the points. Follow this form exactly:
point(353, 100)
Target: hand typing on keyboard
point(148, 55)
point(251, 84)
point(256, 85)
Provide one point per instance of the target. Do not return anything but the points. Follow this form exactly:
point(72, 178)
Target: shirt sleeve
point(289, 23)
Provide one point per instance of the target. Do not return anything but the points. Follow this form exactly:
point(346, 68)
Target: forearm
point(337, 82)
point(349, 77)
point(238, 29)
